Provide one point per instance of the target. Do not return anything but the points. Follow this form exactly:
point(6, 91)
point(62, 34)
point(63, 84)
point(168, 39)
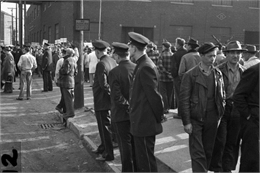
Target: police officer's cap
point(138, 39)
point(120, 47)
point(100, 44)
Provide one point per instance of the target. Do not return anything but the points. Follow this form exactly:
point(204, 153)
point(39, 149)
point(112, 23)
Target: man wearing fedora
point(102, 100)
point(226, 149)
point(166, 79)
point(201, 106)
point(246, 99)
point(120, 79)
point(249, 56)
point(146, 105)
point(191, 59)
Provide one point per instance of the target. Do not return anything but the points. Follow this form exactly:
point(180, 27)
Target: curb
point(85, 139)
point(90, 145)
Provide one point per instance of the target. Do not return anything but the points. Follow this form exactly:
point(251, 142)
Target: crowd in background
point(214, 144)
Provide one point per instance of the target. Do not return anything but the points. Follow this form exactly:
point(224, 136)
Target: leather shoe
point(96, 151)
point(101, 158)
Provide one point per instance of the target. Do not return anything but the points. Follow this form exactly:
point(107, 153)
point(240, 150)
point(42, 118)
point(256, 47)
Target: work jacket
point(193, 95)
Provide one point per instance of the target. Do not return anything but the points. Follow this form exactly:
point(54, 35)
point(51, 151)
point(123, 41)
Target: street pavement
point(171, 148)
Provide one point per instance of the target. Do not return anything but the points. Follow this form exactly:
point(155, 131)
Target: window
point(183, 1)
point(44, 6)
point(57, 31)
point(38, 10)
point(49, 34)
point(35, 13)
point(222, 2)
point(254, 4)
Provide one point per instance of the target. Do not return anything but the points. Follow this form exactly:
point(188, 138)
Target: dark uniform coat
point(120, 79)
point(146, 105)
point(101, 90)
point(47, 62)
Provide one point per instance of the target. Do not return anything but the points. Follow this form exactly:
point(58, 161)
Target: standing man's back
point(146, 105)
point(191, 59)
point(102, 101)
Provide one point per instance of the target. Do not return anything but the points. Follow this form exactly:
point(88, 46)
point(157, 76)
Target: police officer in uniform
point(120, 79)
point(146, 105)
point(102, 102)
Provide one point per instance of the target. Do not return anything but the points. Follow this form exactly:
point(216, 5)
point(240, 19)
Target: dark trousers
point(47, 81)
point(126, 145)
point(166, 90)
point(176, 86)
point(61, 104)
point(201, 141)
point(86, 75)
point(144, 153)
point(249, 161)
point(226, 149)
point(68, 97)
point(103, 121)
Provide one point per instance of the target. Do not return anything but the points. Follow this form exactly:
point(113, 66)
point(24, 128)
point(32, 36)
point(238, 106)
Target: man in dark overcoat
point(47, 66)
point(146, 104)
point(102, 102)
point(246, 99)
point(120, 79)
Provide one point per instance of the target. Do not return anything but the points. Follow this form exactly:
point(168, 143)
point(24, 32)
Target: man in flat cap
point(102, 101)
point(191, 59)
point(120, 79)
point(166, 79)
point(249, 56)
point(146, 105)
point(47, 65)
point(201, 106)
point(226, 149)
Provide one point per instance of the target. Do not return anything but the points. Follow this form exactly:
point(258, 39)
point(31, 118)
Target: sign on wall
point(82, 24)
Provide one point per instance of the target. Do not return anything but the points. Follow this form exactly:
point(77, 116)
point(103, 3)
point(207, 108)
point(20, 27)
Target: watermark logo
point(10, 157)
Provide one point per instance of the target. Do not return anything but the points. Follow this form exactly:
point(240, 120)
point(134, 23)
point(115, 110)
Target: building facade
point(158, 20)
point(6, 34)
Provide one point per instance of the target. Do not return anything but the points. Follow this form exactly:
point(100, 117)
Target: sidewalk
point(171, 148)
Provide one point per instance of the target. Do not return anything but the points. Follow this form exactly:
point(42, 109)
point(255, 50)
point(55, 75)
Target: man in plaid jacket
point(166, 79)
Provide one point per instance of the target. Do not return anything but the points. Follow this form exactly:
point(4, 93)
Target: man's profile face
point(209, 58)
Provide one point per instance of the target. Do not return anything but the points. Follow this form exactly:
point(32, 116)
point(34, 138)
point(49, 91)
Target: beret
point(167, 44)
point(100, 44)
point(206, 47)
point(138, 39)
point(120, 47)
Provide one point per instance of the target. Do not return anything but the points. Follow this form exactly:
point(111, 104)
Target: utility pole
point(78, 39)
point(16, 31)
point(0, 23)
point(12, 28)
point(20, 23)
point(99, 21)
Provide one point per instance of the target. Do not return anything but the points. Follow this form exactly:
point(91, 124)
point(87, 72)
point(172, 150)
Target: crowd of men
point(214, 87)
